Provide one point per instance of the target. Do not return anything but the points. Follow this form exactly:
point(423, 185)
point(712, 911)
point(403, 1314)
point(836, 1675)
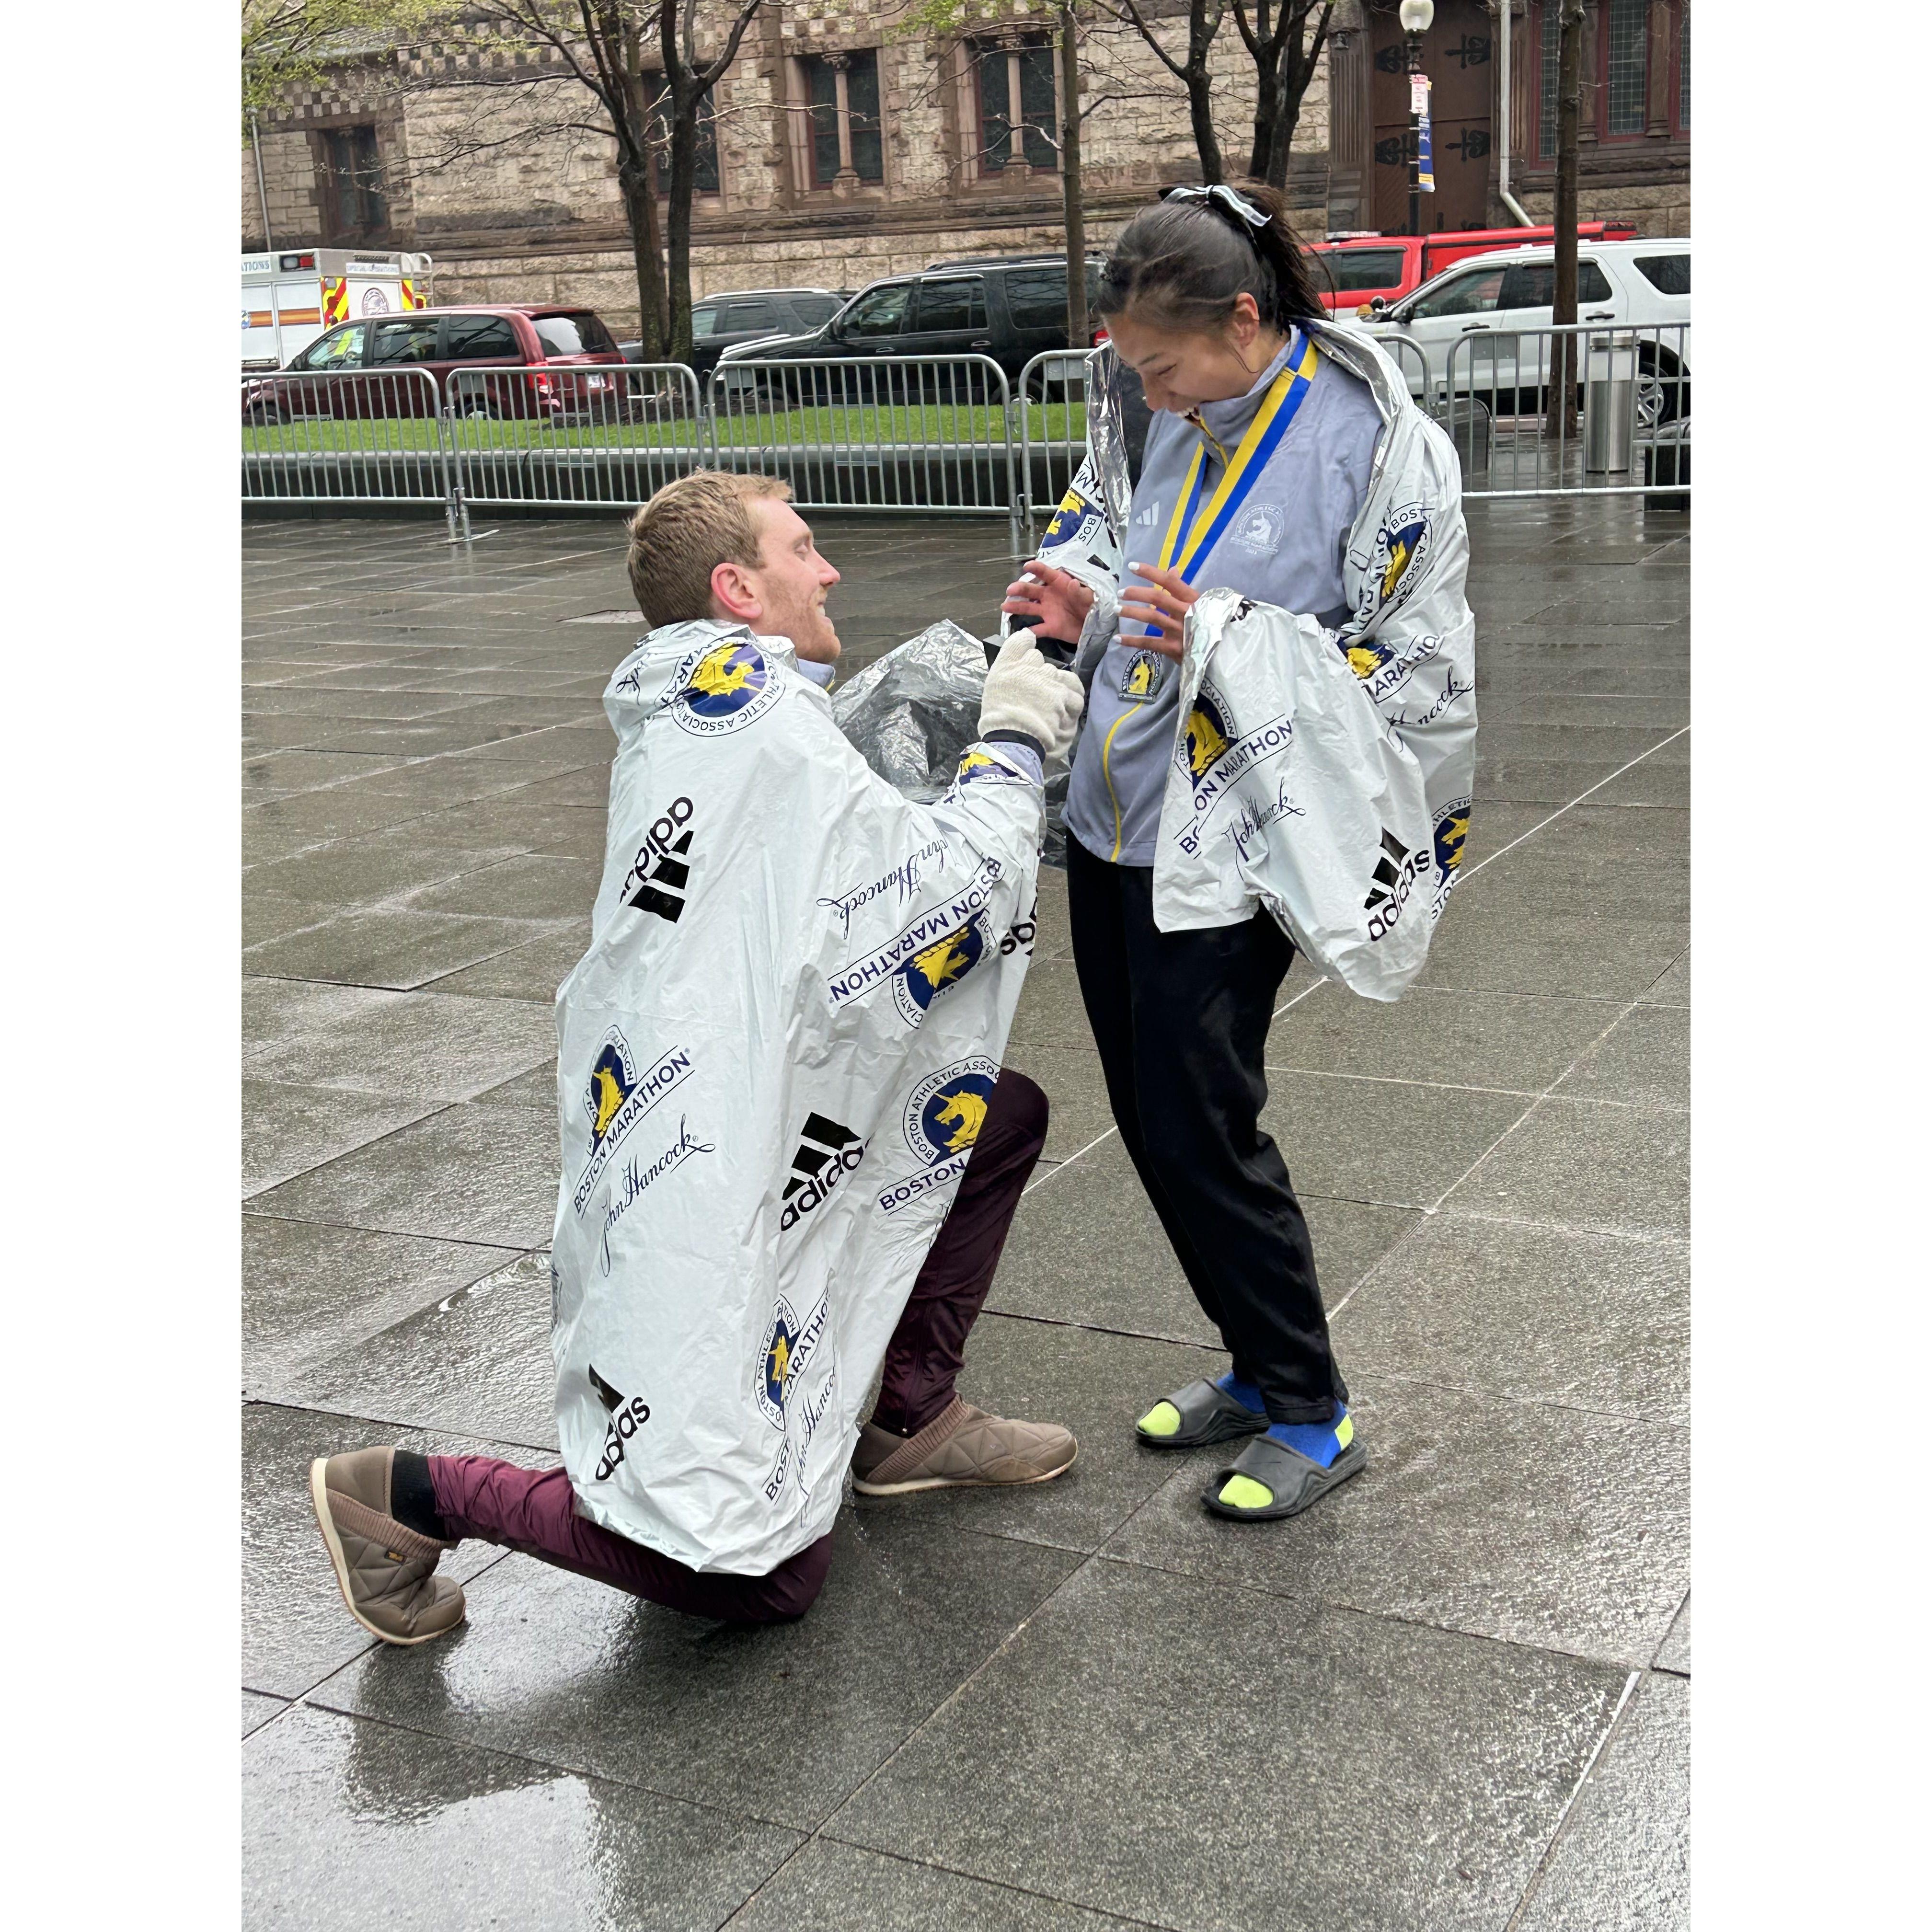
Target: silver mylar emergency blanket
point(772, 1063)
point(1326, 774)
point(912, 713)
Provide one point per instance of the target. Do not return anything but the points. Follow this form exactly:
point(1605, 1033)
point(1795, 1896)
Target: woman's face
point(1180, 369)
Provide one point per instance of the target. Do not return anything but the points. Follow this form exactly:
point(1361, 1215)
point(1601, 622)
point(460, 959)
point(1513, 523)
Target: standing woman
point(1260, 463)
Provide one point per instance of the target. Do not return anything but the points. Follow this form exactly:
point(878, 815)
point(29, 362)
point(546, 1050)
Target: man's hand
point(1025, 694)
point(1054, 603)
point(1159, 606)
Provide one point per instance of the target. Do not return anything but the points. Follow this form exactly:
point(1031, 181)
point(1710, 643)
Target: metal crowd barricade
point(914, 435)
point(1050, 461)
point(1630, 383)
point(363, 436)
point(1409, 358)
point(603, 435)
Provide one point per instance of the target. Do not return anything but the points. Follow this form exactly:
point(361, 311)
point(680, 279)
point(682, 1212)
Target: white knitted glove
point(1024, 693)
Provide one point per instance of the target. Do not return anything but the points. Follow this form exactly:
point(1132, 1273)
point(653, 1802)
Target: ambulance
point(290, 296)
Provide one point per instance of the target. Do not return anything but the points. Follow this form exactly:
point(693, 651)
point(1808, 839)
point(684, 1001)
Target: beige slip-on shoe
point(962, 1447)
point(386, 1570)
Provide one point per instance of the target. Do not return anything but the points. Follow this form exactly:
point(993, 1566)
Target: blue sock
point(1246, 1393)
point(1319, 1441)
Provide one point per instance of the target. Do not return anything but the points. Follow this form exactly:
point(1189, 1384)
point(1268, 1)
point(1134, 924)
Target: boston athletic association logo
point(620, 1091)
point(941, 966)
point(943, 1115)
point(722, 688)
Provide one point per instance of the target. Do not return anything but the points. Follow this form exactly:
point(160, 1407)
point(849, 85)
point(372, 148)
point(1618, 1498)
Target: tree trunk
point(1561, 420)
point(683, 183)
point(1258, 153)
point(1200, 110)
point(1284, 112)
point(1077, 328)
point(640, 210)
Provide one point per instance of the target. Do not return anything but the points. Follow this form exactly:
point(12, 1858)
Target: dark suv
point(1009, 308)
point(722, 322)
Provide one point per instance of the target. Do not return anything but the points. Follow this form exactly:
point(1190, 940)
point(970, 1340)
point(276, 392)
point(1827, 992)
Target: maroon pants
point(534, 1510)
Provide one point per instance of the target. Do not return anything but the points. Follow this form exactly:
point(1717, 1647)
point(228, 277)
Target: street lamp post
point(1416, 17)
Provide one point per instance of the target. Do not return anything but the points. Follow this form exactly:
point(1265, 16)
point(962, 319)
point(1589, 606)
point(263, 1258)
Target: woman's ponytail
point(1181, 264)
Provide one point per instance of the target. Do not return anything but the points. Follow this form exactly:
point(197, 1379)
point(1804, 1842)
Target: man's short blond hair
point(686, 532)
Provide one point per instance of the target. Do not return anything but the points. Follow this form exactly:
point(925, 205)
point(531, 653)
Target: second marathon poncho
point(772, 1063)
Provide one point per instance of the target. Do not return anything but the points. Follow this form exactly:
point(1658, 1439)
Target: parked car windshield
point(742, 316)
point(959, 301)
point(813, 311)
point(1353, 270)
point(1036, 298)
point(1668, 275)
point(403, 341)
point(580, 334)
point(703, 322)
point(878, 312)
point(340, 349)
point(1533, 285)
point(471, 338)
point(1474, 293)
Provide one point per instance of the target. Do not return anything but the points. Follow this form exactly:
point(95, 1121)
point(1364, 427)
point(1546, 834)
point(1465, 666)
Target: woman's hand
point(1055, 605)
point(1158, 607)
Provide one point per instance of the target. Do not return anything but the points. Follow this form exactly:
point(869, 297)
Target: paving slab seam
point(1636, 1237)
point(361, 1146)
point(1491, 1396)
point(514, 1250)
point(1664, 1643)
point(397, 1422)
point(1395, 1080)
point(1563, 1816)
point(959, 1871)
point(1347, 1607)
point(1575, 801)
point(1414, 1232)
point(309, 1700)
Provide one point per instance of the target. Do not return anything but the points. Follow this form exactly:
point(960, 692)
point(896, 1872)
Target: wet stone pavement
point(1456, 1695)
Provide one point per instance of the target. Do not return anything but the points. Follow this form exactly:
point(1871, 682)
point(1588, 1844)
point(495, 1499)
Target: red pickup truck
point(1352, 271)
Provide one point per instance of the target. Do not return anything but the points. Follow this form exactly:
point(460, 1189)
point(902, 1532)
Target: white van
point(290, 296)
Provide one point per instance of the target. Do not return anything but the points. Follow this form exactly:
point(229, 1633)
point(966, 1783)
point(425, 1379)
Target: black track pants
point(1181, 1019)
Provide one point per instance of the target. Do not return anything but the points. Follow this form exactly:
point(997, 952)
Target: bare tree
point(627, 72)
point(1284, 54)
point(286, 42)
point(1203, 21)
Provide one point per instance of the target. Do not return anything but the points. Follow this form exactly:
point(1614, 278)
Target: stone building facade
point(845, 147)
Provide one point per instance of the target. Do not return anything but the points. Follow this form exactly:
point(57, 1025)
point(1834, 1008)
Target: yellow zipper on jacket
point(1107, 772)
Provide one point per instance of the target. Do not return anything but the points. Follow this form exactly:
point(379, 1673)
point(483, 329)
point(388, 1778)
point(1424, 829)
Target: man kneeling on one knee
point(790, 1159)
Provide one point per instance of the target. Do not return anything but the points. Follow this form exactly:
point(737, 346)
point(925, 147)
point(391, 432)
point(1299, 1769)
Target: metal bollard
point(1609, 423)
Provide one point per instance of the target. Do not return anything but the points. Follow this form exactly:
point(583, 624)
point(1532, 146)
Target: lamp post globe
point(1417, 17)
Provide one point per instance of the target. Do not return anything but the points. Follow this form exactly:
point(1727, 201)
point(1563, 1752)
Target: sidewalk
point(1456, 1695)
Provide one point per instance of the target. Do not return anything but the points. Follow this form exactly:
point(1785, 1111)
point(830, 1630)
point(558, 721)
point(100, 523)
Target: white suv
point(1476, 315)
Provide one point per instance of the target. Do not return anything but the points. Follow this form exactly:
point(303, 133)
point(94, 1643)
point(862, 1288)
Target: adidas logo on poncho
point(826, 1154)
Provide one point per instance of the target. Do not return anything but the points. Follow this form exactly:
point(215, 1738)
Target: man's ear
point(734, 594)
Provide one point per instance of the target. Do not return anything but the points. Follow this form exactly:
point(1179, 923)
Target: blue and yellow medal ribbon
point(1286, 395)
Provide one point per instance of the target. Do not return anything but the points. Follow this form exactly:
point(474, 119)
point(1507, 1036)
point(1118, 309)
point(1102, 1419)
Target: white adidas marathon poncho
point(772, 1063)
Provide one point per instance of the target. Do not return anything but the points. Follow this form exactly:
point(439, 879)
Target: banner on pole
point(1418, 106)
